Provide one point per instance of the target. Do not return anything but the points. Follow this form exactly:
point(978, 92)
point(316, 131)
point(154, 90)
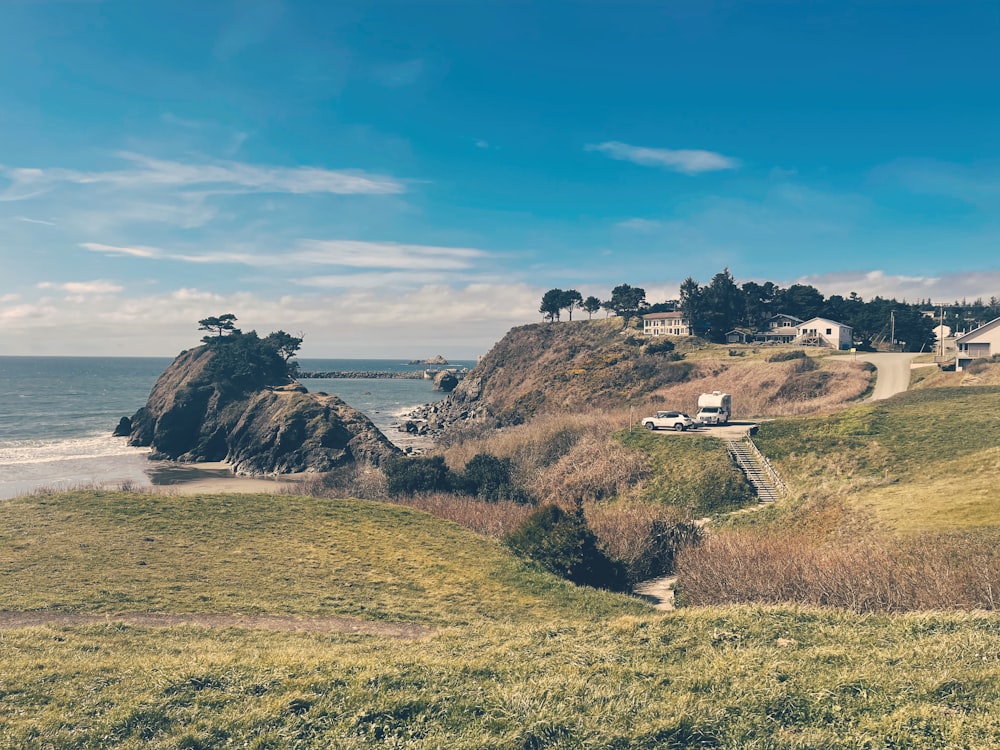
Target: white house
point(666, 324)
point(978, 344)
point(823, 332)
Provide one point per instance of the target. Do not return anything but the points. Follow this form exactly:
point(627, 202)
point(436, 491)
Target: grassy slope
point(580, 365)
point(924, 460)
point(122, 552)
point(520, 660)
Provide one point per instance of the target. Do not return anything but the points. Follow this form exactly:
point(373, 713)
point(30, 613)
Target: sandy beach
point(213, 478)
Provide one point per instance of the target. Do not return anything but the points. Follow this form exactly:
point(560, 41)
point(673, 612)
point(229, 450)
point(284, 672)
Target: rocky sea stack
point(232, 400)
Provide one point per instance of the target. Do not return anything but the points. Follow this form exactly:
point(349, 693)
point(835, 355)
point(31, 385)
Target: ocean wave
point(19, 452)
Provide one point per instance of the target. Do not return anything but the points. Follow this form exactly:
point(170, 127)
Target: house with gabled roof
point(824, 332)
point(981, 343)
point(779, 329)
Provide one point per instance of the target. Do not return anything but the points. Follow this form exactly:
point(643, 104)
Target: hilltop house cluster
point(778, 329)
point(981, 343)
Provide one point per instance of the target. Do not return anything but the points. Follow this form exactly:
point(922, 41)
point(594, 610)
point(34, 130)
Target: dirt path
point(659, 592)
point(283, 623)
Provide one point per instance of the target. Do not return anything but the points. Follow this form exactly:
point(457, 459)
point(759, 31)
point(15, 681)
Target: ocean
point(57, 413)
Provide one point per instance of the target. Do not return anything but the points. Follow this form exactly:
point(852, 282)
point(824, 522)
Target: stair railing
point(779, 483)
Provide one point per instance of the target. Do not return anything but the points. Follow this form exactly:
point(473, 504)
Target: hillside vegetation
point(514, 658)
point(581, 365)
point(923, 460)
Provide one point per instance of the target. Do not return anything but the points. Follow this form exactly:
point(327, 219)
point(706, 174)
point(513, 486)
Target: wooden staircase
point(757, 468)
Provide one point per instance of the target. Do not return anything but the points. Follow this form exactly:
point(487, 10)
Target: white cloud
point(459, 321)
point(388, 256)
point(686, 161)
point(29, 220)
point(135, 252)
point(947, 287)
point(222, 176)
point(83, 287)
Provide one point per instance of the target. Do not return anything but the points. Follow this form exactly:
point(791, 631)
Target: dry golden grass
point(869, 573)
point(490, 519)
point(760, 388)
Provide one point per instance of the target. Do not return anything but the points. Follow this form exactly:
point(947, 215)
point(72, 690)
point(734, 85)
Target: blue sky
point(407, 178)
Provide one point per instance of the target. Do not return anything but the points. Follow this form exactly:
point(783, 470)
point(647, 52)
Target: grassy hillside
point(582, 365)
point(923, 460)
point(126, 552)
point(517, 659)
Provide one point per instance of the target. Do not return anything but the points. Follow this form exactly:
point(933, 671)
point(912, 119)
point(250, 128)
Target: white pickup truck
point(669, 420)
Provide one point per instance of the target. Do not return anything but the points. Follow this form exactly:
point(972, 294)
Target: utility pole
point(941, 332)
point(892, 330)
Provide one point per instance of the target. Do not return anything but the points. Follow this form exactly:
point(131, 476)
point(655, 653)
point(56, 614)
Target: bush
point(406, 476)
point(659, 346)
point(562, 543)
point(245, 361)
point(787, 356)
point(489, 478)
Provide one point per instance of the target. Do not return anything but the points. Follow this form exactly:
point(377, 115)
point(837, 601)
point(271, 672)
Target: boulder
point(124, 428)
point(445, 381)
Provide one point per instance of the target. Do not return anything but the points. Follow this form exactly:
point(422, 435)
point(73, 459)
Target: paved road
point(893, 372)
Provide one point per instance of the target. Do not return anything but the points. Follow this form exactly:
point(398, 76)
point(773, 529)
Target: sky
point(404, 179)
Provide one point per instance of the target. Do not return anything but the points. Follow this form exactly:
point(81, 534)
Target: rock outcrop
point(437, 359)
point(279, 428)
point(445, 381)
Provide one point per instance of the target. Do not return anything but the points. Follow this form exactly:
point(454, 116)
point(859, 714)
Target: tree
point(692, 304)
point(802, 301)
point(723, 303)
point(591, 305)
point(552, 303)
point(284, 344)
point(570, 299)
point(222, 325)
point(626, 300)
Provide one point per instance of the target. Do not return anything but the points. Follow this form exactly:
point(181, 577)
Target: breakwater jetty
point(379, 374)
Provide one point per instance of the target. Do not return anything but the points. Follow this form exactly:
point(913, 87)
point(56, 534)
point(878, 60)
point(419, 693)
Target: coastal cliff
point(257, 419)
point(599, 364)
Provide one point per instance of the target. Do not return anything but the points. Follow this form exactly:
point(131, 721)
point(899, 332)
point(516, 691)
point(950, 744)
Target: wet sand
point(216, 477)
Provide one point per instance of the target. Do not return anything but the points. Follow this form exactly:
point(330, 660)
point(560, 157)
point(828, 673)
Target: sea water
point(57, 413)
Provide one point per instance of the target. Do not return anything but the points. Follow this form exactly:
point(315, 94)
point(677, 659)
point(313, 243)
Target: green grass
point(693, 473)
point(517, 659)
point(731, 678)
point(923, 460)
point(130, 552)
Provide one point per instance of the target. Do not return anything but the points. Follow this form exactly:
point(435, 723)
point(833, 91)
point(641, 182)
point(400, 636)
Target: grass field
point(516, 659)
point(499, 654)
point(925, 460)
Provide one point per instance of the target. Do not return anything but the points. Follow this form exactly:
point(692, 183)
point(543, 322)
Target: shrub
point(644, 538)
point(489, 478)
point(406, 476)
point(659, 346)
point(562, 543)
point(787, 356)
point(245, 361)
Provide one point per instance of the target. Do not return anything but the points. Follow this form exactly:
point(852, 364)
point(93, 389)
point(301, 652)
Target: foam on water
point(20, 452)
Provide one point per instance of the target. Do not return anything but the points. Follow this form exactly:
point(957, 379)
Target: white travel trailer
point(714, 408)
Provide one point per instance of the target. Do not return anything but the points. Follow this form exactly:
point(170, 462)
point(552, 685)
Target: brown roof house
point(982, 343)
